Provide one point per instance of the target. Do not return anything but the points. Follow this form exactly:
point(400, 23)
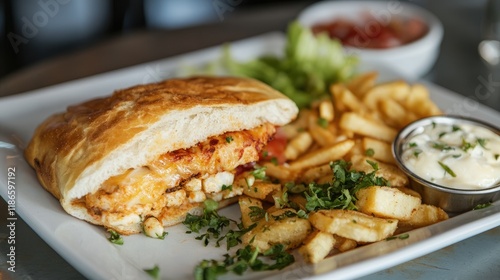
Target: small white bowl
point(411, 60)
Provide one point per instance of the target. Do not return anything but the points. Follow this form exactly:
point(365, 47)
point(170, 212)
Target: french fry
point(336, 92)
point(261, 189)
point(353, 225)
point(303, 119)
point(322, 156)
point(357, 149)
point(397, 90)
point(346, 100)
point(298, 145)
point(313, 174)
point(279, 228)
point(363, 126)
point(279, 172)
point(324, 179)
point(321, 135)
point(418, 101)
point(394, 175)
point(278, 198)
point(317, 246)
point(386, 202)
point(344, 244)
point(345, 134)
point(351, 102)
point(291, 130)
point(273, 208)
point(298, 200)
point(409, 192)
point(381, 150)
point(423, 216)
point(396, 114)
point(326, 110)
point(245, 204)
point(362, 83)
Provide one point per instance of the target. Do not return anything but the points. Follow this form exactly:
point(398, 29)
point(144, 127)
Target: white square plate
point(85, 246)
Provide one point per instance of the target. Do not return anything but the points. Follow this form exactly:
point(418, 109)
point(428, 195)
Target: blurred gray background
point(35, 30)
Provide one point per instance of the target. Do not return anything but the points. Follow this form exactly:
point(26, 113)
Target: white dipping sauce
point(456, 156)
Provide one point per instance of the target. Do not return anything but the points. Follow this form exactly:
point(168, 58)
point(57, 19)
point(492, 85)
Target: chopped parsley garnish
point(302, 214)
point(225, 187)
point(153, 272)
point(244, 259)
point(288, 214)
point(340, 192)
point(115, 237)
point(210, 220)
point(455, 128)
point(282, 201)
point(265, 153)
point(401, 236)
point(256, 213)
point(404, 236)
point(259, 172)
point(162, 236)
point(466, 145)
point(442, 134)
point(213, 225)
point(369, 152)
point(274, 160)
point(413, 145)
point(229, 139)
point(433, 125)
point(481, 206)
point(322, 122)
point(456, 156)
point(482, 142)
point(233, 237)
point(497, 156)
point(447, 169)
point(417, 152)
point(295, 188)
point(441, 146)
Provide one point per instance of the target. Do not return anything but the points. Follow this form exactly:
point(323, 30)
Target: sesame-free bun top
point(74, 152)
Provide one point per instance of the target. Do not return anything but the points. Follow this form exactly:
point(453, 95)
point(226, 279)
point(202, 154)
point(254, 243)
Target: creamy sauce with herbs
point(455, 156)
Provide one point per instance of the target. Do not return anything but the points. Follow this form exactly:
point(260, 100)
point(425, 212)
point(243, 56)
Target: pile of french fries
point(356, 123)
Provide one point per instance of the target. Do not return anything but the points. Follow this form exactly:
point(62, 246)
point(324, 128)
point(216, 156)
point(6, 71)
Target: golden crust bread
point(74, 152)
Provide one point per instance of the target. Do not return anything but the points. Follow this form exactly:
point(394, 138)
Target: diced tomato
point(275, 149)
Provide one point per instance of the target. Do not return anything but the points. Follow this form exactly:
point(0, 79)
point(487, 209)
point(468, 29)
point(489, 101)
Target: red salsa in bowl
point(372, 34)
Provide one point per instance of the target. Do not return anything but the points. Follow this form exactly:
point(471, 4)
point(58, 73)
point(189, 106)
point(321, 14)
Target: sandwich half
point(156, 150)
